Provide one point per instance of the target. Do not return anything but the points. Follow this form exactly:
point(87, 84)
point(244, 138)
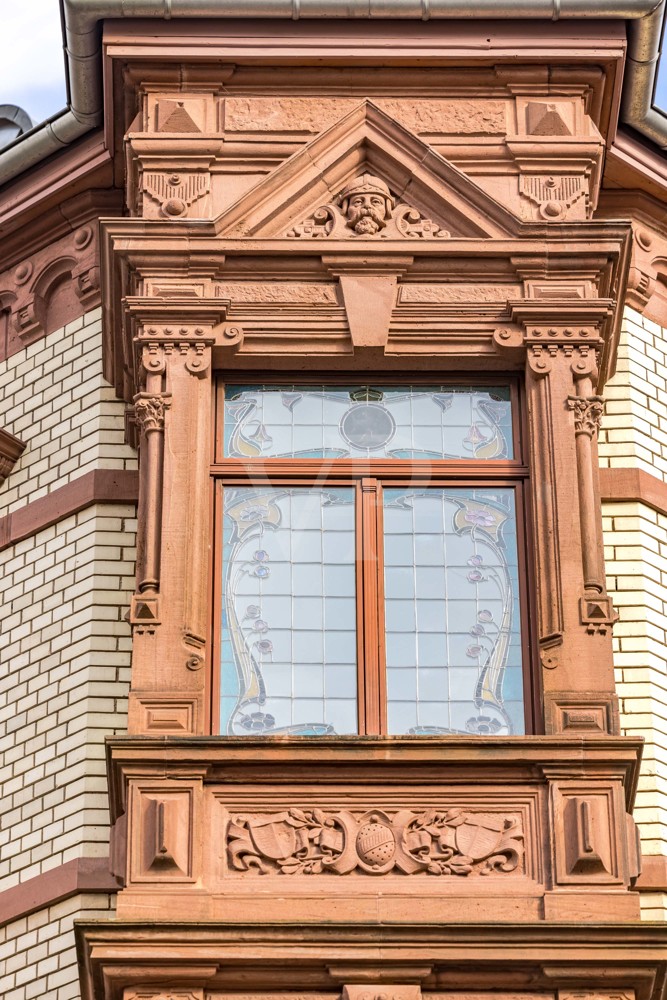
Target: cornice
point(610, 957)
point(80, 169)
point(493, 759)
point(556, 262)
point(629, 485)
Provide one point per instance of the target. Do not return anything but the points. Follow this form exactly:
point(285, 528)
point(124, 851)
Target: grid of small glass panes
point(451, 577)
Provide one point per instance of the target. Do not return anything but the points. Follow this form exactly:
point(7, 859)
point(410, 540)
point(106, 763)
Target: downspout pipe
point(82, 18)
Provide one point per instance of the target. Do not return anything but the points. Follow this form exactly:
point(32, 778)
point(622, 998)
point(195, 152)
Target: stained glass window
point(453, 641)
point(289, 659)
point(425, 422)
point(363, 595)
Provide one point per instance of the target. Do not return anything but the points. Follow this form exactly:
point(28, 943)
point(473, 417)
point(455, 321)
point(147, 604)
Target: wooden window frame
point(368, 477)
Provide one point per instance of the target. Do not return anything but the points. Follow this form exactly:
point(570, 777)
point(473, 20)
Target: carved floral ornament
point(149, 410)
point(366, 208)
point(434, 842)
point(588, 412)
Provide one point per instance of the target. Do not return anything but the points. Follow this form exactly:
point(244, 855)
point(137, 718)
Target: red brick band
point(621, 485)
point(79, 875)
point(654, 874)
point(99, 486)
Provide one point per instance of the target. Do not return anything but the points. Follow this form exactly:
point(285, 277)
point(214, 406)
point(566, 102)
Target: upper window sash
point(336, 421)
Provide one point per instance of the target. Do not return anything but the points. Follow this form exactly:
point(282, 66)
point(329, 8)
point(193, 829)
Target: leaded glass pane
point(289, 660)
point(452, 612)
point(410, 422)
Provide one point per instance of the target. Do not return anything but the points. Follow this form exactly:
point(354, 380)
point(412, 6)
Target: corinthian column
point(574, 614)
point(169, 611)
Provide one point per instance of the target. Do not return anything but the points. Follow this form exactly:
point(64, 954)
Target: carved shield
point(274, 840)
point(478, 838)
point(376, 845)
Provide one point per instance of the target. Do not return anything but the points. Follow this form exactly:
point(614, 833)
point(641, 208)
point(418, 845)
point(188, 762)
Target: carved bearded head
point(366, 204)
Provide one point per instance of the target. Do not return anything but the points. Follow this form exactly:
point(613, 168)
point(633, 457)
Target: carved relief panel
point(450, 842)
point(215, 836)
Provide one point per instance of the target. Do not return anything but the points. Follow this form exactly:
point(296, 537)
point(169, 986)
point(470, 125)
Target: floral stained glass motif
point(289, 660)
point(409, 422)
point(452, 612)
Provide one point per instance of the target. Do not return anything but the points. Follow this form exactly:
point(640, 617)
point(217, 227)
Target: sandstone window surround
point(365, 251)
point(426, 234)
point(556, 340)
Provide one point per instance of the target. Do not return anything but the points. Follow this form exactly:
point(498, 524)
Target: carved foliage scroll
point(433, 842)
point(588, 412)
point(367, 209)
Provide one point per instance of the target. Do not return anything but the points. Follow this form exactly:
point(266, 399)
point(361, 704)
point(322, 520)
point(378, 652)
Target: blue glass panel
point(410, 422)
point(289, 659)
point(452, 612)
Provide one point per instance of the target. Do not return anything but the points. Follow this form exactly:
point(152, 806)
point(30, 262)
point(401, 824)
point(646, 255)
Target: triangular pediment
point(427, 197)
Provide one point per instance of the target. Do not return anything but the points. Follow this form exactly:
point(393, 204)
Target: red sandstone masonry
point(79, 875)
point(99, 486)
point(618, 485)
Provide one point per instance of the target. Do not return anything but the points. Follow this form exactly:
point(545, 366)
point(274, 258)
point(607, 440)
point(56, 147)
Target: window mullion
point(373, 611)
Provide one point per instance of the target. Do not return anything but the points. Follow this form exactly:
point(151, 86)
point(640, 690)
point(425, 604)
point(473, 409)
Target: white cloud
point(32, 67)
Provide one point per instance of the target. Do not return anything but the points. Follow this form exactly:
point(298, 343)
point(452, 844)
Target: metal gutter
point(81, 20)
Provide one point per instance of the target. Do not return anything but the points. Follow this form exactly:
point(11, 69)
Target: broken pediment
point(366, 177)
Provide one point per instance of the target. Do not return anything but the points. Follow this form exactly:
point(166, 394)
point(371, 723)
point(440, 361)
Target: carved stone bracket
point(171, 327)
point(597, 613)
point(195, 355)
point(176, 192)
point(29, 318)
point(386, 991)
point(312, 842)
point(171, 179)
point(11, 449)
point(544, 330)
point(553, 195)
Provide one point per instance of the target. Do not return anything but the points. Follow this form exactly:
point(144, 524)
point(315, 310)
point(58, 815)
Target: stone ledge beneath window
point(421, 829)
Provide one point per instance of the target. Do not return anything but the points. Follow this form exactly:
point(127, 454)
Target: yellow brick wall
point(54, 398)
point(38, 955)
point(634, 435)
point(634, 431)
point(64, 647)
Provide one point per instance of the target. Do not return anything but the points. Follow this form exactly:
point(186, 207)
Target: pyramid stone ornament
point(173, 117)
point(366, 208)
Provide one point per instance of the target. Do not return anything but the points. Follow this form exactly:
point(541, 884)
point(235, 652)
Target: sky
point(660, 97)
point(32, 65)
